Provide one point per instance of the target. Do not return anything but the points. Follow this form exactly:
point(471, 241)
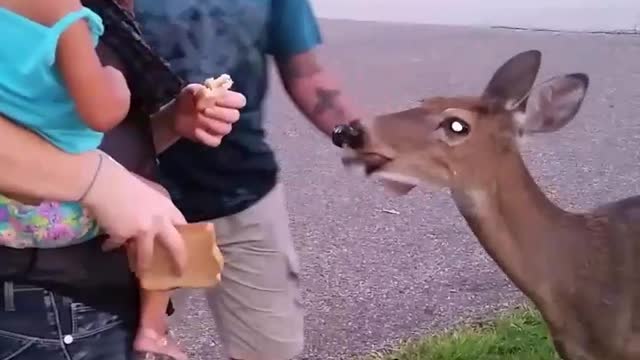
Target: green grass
point(518, 335)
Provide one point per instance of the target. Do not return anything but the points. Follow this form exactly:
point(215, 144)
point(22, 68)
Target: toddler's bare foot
point(150, 345)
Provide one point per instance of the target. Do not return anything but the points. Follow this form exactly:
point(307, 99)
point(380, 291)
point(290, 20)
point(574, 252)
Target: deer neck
point(514, 221)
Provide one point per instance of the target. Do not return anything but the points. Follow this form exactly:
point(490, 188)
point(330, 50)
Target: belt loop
point(9, 299)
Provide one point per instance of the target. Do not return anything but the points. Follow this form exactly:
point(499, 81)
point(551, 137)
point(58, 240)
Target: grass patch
point(518, 335)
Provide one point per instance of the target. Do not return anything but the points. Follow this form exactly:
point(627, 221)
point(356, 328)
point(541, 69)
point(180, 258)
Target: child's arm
point(101, 94)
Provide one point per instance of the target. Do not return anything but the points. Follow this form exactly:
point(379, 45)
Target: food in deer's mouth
point(397, 184)
point(372, 162)
point(397, 188)
point(375, 164)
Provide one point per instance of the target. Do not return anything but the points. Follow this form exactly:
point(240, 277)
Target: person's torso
point(78, 270)
point(201, 39)
point(32, 91)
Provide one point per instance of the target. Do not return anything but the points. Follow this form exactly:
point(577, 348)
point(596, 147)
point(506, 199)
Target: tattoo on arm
point(327, 102)
point(313, 91)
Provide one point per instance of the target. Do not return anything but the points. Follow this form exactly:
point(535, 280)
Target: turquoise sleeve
point(293, 28)
point(93, 20)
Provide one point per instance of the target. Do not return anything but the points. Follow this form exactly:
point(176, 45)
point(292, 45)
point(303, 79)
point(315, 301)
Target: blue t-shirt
point(32, 92)
point(204, 38)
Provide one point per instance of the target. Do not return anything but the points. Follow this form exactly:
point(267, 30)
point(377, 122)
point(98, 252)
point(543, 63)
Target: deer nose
point(351, 135)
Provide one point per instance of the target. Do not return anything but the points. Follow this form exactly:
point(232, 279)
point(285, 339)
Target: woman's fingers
point(112, 243)
point(144, 250)
point(133, 211)
point(174, 243)
point(142, 246)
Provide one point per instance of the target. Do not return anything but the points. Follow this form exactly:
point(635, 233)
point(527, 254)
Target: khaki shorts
point(257, 306)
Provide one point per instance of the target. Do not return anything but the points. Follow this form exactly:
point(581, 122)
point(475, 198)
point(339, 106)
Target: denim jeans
point(36, 324)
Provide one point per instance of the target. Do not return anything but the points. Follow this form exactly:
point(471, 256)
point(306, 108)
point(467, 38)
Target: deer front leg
point(569, 351)
point(632, 348)
point(571, 345)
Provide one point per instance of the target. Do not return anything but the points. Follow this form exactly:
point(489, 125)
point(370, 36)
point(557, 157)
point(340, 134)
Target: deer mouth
point(378, 166)
point(370, 161)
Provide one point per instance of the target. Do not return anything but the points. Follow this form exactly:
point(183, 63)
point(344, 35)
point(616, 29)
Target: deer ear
point(554, 103)
point(514, 79)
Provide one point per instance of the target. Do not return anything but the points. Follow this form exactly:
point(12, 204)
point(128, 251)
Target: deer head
point(458, 142)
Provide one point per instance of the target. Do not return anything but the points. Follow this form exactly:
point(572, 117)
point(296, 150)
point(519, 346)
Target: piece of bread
point(223, 82)
point(215, 87)
point(204, 262)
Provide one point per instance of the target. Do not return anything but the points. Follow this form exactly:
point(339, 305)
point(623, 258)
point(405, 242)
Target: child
point(52, 82)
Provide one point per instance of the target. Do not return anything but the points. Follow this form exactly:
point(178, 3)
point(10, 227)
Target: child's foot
point(149, 345)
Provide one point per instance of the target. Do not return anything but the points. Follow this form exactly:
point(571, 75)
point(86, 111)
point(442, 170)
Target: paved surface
point(570, 15)
point(373, 278)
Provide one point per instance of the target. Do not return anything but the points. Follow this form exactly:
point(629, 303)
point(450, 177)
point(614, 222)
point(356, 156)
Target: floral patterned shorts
point(50, 224)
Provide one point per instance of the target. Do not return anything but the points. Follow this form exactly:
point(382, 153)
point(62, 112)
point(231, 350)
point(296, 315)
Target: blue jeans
point(36, 324)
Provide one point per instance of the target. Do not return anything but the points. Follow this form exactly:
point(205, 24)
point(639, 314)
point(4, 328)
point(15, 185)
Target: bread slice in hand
point(204, 261)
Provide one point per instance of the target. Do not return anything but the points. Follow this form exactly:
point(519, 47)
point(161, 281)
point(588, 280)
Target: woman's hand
point(132, 212)
point(203, 118)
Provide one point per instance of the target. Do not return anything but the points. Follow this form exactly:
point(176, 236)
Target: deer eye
point(455, 125)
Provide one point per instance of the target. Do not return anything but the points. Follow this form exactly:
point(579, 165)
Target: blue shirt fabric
point(205, 38)
point(32, 92)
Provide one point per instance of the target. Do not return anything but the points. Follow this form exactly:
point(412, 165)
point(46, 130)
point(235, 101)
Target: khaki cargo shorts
point(257, 306)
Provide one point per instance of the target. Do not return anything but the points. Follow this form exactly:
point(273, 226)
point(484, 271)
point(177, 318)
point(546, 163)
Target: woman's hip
point(38, 324)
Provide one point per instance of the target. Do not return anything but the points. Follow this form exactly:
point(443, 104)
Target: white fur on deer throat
point(476, 201)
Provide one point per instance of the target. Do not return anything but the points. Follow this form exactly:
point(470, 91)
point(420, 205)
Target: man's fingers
point(173, 242)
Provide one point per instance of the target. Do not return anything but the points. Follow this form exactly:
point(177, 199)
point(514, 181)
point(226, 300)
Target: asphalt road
point(372, 278)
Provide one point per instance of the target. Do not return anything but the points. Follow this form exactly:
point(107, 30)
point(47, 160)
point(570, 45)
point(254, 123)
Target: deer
point(580, 270)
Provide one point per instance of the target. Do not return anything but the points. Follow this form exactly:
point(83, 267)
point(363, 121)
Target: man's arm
point(314, 91)
point(294, 34)
point(163, 128)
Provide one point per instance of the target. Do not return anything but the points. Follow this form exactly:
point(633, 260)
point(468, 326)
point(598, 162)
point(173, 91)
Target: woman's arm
point(32, 167)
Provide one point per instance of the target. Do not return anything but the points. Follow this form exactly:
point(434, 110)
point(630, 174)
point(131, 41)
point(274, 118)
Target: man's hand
point(205, 118)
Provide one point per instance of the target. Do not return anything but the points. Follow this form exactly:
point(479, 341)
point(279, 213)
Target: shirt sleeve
point(293, 28)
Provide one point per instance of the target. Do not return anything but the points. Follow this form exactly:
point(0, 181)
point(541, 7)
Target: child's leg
point(152, 336)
